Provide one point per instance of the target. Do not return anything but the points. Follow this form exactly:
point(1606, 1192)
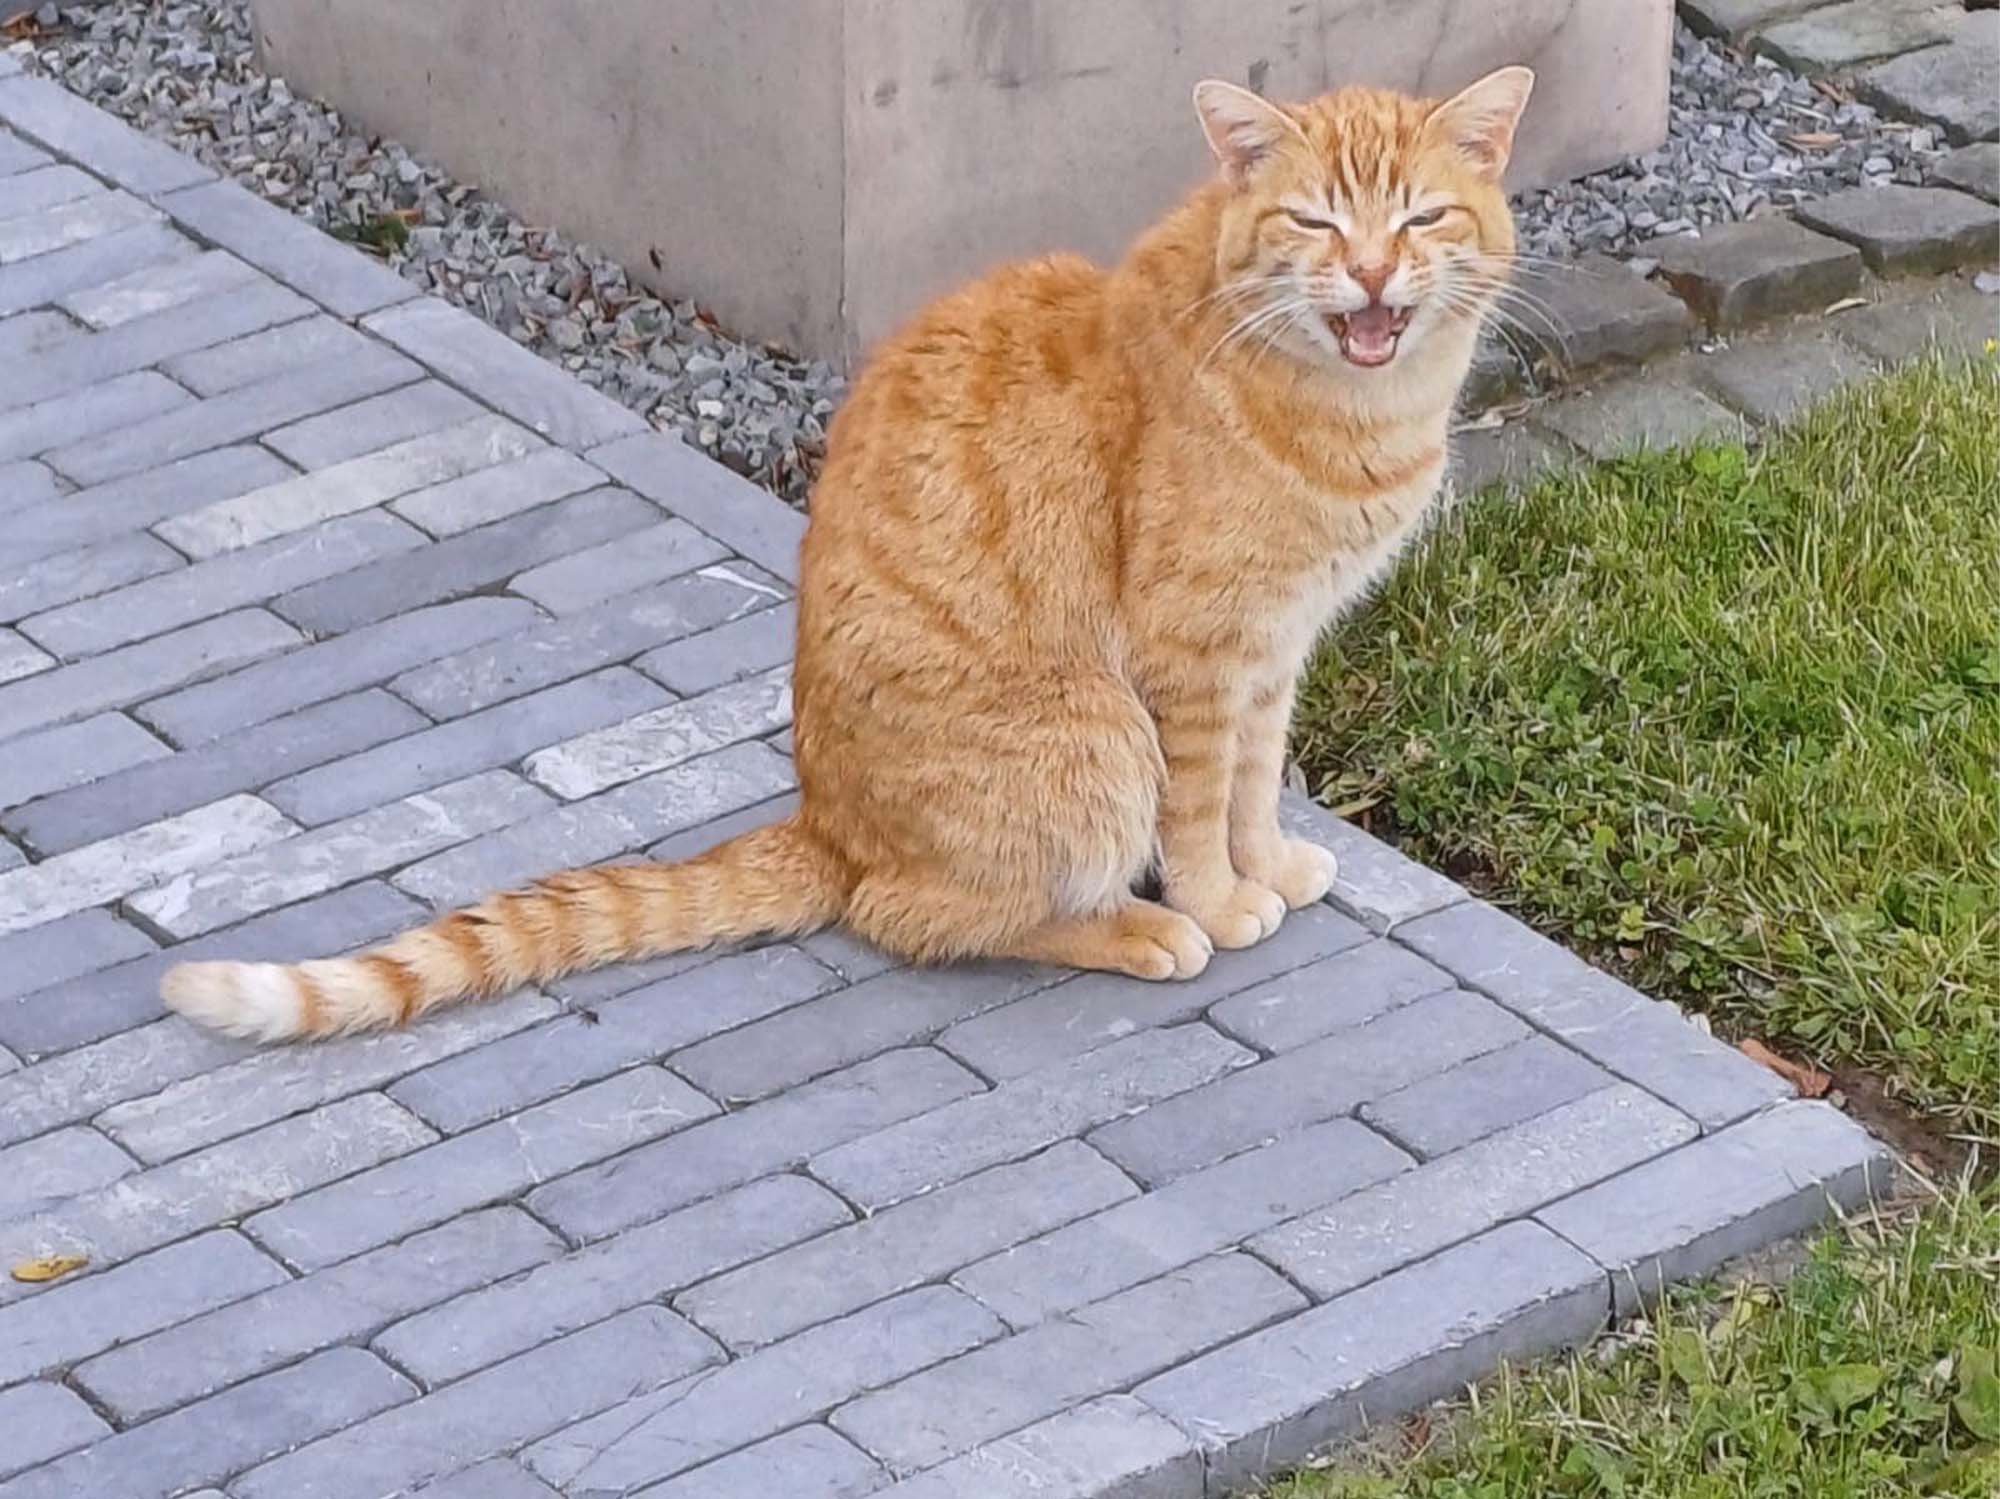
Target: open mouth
point(1368, 337)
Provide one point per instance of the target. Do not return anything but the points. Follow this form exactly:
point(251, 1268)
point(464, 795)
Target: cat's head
point(1360, 224)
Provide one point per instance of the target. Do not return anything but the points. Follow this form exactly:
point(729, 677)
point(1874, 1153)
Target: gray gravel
point(1747, 137)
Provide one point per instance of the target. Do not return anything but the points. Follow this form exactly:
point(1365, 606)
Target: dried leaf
point(49, 1267)
point(1809, 1082)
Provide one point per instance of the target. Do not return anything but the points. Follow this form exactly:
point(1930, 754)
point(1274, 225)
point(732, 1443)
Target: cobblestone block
point(645, 1024)
point(1272, 1399)
point(1026, 1113)
point(207, 1441)
point(68, 224)
point(1317, 1081)
point(231, 365)
point(846, 954)
point(1678, 1217)
point(22, 484)
point(88, 571)
point(498, 1479)
point(43, 1421)
point(729, 508)
point(1109, 1345)
point(1377, 886)
point(87, 1009)
point(614, 569)
point(564, 648)
point(1476, 1098)
point(490, 1413)
point(16, 155)
point(644, 1265)
point(1093, 1009)
point(34, 333)
point(1971, 169)
point(494, 494)
point(156, 288)
point(45, 426)
point(1351, 987)
point(616, 822)
point(1857, 31)
point(669, 736)
point(382, 421)
point(1204, 1212)
point(808, 1462)
point(1615, 1026)
point(1617, 420)
point(904, 1247)
point(1774, 383)
point(1949, 86)
point(1909, 230)
point(274, 1084)
point(1738, 274)
point(293, 250)
point(43, 278)
point(63, 1089)
point(65, 123)
point(684, 1425)
point(1511, 456)
point(45, 187)
point(725, 654)
point(154, 787)
point(65, 949)
point(269, 1327)
point(317, 1228)
point(330, 669)
point(1455, 1196)
point(1957, 321)
point(224, 1182)
point(1730, 20)
point(1113, 1448)
point(104, 513)
point(77, 1319)
point(20, 659)
point(38, 1174)
point(1596, 312)
point(656, 1179)
point(99, 872)
point(479, 358)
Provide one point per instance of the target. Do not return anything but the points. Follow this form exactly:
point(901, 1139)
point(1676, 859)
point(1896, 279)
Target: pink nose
point(1372, 278)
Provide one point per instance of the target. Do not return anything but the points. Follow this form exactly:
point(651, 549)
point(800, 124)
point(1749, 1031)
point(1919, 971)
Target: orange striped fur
point(1077, 531)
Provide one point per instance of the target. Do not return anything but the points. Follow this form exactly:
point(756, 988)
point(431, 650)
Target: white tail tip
point(258, 1001)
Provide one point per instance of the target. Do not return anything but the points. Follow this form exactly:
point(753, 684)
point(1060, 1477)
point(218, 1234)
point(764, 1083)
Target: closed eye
point(1307, 221)
point(1425, 219)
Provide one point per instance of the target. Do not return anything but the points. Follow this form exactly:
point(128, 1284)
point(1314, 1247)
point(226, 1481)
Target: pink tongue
point(1371, 332)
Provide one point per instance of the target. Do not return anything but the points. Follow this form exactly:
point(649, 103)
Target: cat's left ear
point(1243, 128)
point(1480, 121)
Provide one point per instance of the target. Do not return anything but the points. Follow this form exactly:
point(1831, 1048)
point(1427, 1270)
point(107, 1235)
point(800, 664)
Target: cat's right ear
point(1243, 129)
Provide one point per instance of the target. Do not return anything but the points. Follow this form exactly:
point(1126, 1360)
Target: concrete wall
point(815, 169)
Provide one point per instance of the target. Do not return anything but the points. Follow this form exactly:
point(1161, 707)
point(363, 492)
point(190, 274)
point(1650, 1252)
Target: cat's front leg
point(1299, 871)
point(1198, 727)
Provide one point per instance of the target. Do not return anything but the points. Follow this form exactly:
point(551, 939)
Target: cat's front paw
point(1299, 871)
point(1234, 913)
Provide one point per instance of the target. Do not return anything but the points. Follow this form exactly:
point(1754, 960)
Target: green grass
point(1728, 721)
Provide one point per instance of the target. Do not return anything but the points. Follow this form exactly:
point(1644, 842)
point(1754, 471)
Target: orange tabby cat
point(1077, 531)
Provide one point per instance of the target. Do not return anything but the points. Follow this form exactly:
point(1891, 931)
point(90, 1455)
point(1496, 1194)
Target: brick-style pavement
point(320, 604)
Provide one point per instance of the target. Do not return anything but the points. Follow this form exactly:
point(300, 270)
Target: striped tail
point(774, 880)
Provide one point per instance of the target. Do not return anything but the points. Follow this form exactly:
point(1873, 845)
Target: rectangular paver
point(225, 366)
point(123, 402)
point(492, 494)
point(156, 288)
point(42, 278)
point(64, 949)
point(367, 426)
point(665, 737)
point(725, 654)
point(613, 569)
point(40, 1173)
point(104, 513)
point(42, 1421)
point(68, 124)
point(1115, 1446)
point(807, 1462)
point(39, 231)
point(1438, 1114)
point(731, 509)
point(69, 755)
point(291, 249)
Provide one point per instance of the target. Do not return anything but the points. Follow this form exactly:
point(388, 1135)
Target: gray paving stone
point(725, 654)
point(564, 648)
point(44, 187)
point(1773, 383)
point(1738, 274)
point(496, 493)
point(43, 1421)
point(43, 278)
point(1957, 321)
point(65, 123)
point(1107, 1346)
point(480, 741)
point(1376, 885)
point(156, 288)
point(127, 401)
point(1318, 1081)
point(526, 1397)
point(207, 1441)
point(275, 1083)
point(498, 1479)
point(224, 1182)
point(366, 426)
point(479, 358)
point(904, 1247)
point(331, 668)
point(231, 418)
point(282, 1320)
point(846, 954)
point(1200, 1214)
point(1680, 1216)
point(41, 231)
point(643, 1025)
point(1909, 230)
point(1857, 31)
point(220, 584)
point(31, 333)
point(20, 659)
point(8, 1062)
point(298, 254)
point(1731, 19)
point(1113, 1448)
point(317, 1228)
point(1026, 1113)
point(1616, 420)
point(77, 1319)
point(654, 1180)
point(684, 1425)
point(1511, 456)
point(1594, 312)
point(16, 155)
point(26, 483)
point(1615, 1026)
point(474, 560)
point(730, 508)
point(150, 788)
point(225, 366)
point(64, 949)
point(808, 1462)
point(1346, 989)
point(37, 1174)
point(61, 1090)
point(613, 569)
point(1949, 86)
point(114, 867)
point(697, 840)
point(1971, 169)
point(90, 1008)
point(616, 822)
point(84, 573)
point(672, 735)
point(644, 1265)
point(104, 513)
point(297, 502)
point(1272, 1399)
point(1440, 1114)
